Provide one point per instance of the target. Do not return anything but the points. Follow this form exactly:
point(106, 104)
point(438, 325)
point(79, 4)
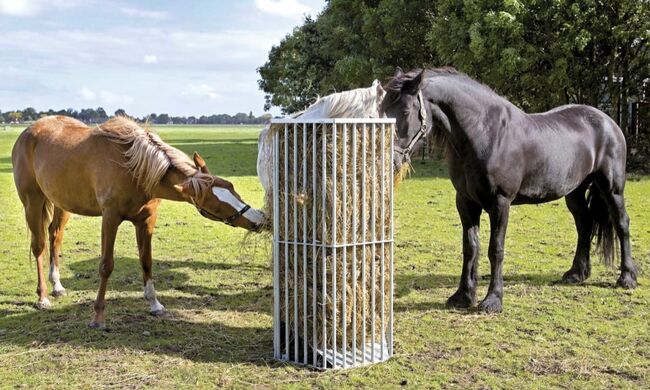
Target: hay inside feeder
point(334, 241)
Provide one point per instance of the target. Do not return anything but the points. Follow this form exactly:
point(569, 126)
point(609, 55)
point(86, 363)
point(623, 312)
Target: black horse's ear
point(398, 72)
point(412, 86)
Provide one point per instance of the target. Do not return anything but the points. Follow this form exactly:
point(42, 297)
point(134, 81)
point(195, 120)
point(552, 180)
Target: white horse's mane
point(355, 103)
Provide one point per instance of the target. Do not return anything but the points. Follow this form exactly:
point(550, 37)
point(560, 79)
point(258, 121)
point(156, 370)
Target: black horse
point(500, 156)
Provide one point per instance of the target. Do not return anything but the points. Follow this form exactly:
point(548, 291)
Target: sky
point(176, 57)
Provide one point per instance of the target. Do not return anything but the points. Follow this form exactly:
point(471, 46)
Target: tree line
point(99, 115)
point(537, 53)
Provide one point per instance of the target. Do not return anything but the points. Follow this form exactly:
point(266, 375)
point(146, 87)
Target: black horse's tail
point(603, 225)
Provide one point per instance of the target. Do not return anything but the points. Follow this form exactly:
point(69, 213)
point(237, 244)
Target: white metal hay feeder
point(333, 241)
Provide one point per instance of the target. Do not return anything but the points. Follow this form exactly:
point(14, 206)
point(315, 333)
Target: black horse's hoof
point(461, 300)
point(99, 326)
point(627, 281)
point(491, 304)
point(574, 276)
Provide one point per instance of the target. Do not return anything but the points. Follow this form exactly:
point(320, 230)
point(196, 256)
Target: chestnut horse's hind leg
point(143, 232)
point(59, 220)
point(579, 208)
point(498, 223)
point(110, 223)
point(470, 217)
point(38, 212)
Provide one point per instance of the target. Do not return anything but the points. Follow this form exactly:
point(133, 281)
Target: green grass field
point(217, 285)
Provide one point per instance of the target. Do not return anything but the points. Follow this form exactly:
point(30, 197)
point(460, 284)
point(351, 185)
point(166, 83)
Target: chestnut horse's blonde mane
point(147, 156)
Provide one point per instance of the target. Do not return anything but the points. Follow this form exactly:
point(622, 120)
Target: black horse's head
point(404, 102)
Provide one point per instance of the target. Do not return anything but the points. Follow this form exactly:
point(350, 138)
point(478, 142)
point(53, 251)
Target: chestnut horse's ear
point(185, 189)
point(200, 163)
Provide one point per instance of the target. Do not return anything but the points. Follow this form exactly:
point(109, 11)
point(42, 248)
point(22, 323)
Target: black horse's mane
point(396, 83)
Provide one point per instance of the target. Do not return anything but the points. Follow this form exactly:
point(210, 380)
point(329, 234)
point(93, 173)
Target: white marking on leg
point(44, 304)
point(55, 279)
point(150, 295)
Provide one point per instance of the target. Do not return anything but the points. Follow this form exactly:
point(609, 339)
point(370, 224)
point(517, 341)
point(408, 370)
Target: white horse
point(355, 103)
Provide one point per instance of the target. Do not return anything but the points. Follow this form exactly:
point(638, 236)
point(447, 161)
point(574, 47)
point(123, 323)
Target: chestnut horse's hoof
point(461, 300)
point(159, 313)
point(59, 293)
point(43, 304)
point(490, 304)
point(627, 281)
point(98, 326)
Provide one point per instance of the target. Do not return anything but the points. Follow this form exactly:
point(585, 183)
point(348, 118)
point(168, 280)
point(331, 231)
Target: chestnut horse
point(118, 171)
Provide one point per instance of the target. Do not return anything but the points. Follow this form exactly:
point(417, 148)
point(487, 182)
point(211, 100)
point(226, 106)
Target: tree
point(537, 53)
point(30, 114)
point(15, 116)
point(120, 112)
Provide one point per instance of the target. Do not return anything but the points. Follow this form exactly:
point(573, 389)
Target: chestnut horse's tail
point(603, 225)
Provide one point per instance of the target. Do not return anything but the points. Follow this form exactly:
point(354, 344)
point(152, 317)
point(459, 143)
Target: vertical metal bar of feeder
point(295, 243)
point(364, 219)
point(313, 248)
point(276, 248)
point(383, 234)
point(286, 241)
point(344, 277)
point(354, 241)
point(303, 193)
point(373, 217)
point(334, 242)
point(324, 240)
point(392, 239)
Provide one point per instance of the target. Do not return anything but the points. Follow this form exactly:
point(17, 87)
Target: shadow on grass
point(182, 333)
point(175, 275)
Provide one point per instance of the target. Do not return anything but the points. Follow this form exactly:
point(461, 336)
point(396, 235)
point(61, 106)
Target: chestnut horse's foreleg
point(143, 232)
point(498, 223)
point(57, 225)
point(38, 214)
point(470, 217)
point(110, 223)
point(579, 208)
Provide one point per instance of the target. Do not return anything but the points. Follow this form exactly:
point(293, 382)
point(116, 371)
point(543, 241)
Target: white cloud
point(145, 14)
point(105, 97)
point(87, 94)
point(19, 7)
point(34, 7)
point(182, 49)
point(285, 8)
point(150, 59)
point(112, 99)
point(200, 91)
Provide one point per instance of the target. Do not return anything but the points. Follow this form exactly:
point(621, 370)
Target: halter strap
point(422, 131)
point(228, 220)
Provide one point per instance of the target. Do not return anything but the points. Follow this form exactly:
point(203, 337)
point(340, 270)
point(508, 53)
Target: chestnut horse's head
point(216, 199)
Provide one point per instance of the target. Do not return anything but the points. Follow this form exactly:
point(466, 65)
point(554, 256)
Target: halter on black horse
point(421, 133)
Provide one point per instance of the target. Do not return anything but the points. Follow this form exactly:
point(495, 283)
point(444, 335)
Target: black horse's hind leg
point(579, 208)
point(616, 205)
point(498, 223)
point(470, 216)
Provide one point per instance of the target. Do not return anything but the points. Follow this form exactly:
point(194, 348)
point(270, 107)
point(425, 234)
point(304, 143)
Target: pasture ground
point(217, 285)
